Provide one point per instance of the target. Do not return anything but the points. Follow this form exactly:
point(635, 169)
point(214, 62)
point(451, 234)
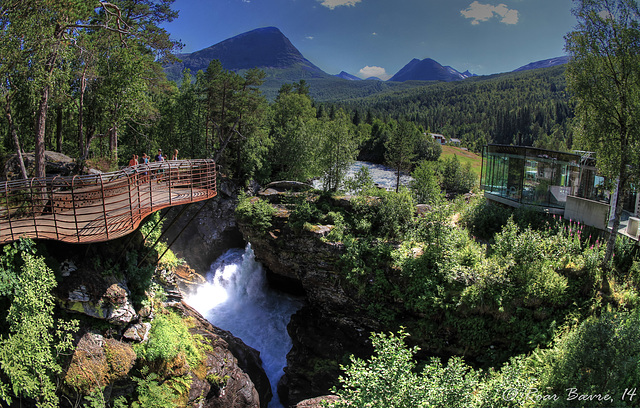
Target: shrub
point(425, 184)
point(169, 339)
point(599, 357)
point(255, 212)
point(389, 379)
point(395, 213)
point(484, 220)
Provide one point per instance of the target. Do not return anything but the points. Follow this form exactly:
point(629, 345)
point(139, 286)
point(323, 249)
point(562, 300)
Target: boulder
point(138, 332)
point(56, 164)
point(114, 305)
point(318, 402)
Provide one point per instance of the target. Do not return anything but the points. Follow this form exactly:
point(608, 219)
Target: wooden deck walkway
point(102, 207)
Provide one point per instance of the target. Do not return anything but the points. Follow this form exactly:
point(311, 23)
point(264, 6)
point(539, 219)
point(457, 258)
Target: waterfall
point(238, 299)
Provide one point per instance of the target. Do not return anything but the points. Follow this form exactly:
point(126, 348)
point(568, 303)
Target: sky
point(378, 37)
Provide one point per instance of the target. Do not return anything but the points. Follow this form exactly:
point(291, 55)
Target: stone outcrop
point(113, 304)
point(55, 164)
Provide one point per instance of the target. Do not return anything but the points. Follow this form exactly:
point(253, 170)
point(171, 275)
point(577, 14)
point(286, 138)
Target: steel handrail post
point(73, 204)
point(104, 206)
point(146, 174)
point(169, 181)
point(53, 211)
point(150, 194)
point(134, 175)
point(191, 180)
point(6, 189)
point(33, 210)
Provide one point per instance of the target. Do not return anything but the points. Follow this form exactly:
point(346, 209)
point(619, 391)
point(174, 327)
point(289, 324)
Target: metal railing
point(101, 207)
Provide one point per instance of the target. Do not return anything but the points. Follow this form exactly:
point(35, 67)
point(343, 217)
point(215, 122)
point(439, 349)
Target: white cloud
point(479, 12)
point(337, 3)
point(309, 37)
point(374, 71)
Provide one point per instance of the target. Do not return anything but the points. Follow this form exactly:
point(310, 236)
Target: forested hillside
point(527, 108)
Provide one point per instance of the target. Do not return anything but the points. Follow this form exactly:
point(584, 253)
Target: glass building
point(517, 175)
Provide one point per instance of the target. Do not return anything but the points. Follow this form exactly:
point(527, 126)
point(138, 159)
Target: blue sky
point(378, 37)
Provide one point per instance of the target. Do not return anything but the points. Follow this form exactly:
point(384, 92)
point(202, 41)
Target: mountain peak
point(426, 70)
point(348, 76)
point(551, 62)
point(263, 48)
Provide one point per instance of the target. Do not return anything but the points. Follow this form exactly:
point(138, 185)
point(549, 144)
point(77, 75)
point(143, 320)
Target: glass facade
point(528, 175)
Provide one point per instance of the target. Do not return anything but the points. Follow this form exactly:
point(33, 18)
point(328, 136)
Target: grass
point(464, 156)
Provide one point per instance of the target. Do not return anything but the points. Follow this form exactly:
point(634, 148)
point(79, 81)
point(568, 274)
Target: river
point(382, 175)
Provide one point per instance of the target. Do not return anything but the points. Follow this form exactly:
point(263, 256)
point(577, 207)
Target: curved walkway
point(101, 207)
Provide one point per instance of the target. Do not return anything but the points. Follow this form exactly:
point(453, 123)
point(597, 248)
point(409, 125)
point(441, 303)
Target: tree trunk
point(14, 136)
point(611, 240)
point(41, 121)
point(81, 148)
point(113, 143)
point(59, 129)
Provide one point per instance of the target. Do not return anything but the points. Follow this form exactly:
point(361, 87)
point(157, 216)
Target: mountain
point(265, 48)
point(551, 62)
point(426, 70)
point(348, 76)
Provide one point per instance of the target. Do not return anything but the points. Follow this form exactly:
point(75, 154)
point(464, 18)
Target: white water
point(238, 299)
point(383, 176)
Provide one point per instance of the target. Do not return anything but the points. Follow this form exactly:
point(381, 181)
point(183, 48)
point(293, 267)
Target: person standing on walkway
point(133, 161)
point(160, 158)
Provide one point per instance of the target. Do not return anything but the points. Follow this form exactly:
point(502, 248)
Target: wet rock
point(235, 377)
point(67, 267)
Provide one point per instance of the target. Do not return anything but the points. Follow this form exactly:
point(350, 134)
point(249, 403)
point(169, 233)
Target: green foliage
point(457, 178)
point(153, 392)
point(599, 357)
point(388, 379)
point(338, 150)
point(304, 211)
point(401, 148)
point(255, 211)
point(395, 213)
point(519, 108)
point(427, 148)
point(297, 141)
point(425, 185)
point(169, 338)
point(360, 182)
point(484, 220)
point(34, 340)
